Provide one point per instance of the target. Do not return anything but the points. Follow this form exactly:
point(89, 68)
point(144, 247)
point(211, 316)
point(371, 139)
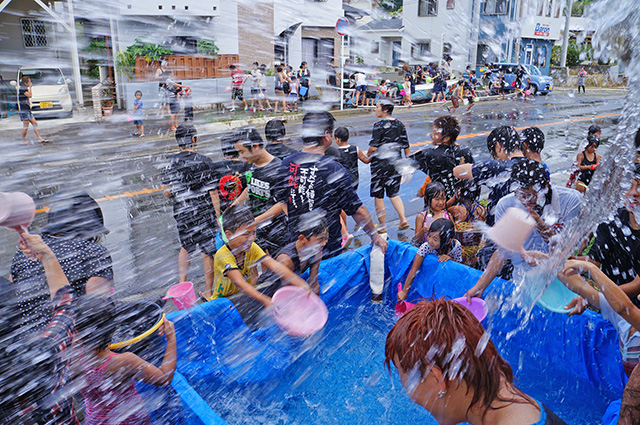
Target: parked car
point(539, 83)
point(50, 90)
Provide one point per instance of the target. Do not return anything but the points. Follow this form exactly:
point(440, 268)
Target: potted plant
point(107, 100)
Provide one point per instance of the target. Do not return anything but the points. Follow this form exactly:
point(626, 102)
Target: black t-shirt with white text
point(314, 182)
point(439, 161)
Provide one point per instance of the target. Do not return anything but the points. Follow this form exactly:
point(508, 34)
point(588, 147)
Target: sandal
point(44, 141)
point(403, 226)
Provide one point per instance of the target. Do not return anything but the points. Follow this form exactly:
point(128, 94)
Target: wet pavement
point(123, 172)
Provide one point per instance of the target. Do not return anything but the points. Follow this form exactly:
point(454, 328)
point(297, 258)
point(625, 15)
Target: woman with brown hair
point(449, 366)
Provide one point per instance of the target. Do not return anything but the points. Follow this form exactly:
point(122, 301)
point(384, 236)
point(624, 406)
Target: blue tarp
point(214, 344)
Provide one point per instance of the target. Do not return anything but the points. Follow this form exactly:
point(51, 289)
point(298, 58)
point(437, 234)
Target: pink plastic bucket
point(17, 210)
point(478, 307)
point(182, 295)
point(299, 312)
point(402, 306)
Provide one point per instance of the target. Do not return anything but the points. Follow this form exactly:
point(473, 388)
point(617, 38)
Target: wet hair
point(534, 138)
point(529, 173)
point(386, 105)
point(227, 144)
point(95, 321)
point(249, 137)
point(274, 130)
point(232, 67)
point(450, 127)
point(593, 140)
point(302, 64)
point(75, 215)
point(342, 133)
point(256, 64)
point(445, 228)
point(637, 141)
point(431, 331)
point(235, 217)
point(636, 171)
point(508, 138)
point(433, 190)
point(278, 69)
point(185, 134)
point(25, 80)
point(312, 223)
point(137, 92)
point(468, 192)
point(314, 127)
point(593, 129)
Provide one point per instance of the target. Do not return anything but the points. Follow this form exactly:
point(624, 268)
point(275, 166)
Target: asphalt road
point(122, 172)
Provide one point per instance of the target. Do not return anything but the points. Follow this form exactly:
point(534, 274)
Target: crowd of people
point(266, 213)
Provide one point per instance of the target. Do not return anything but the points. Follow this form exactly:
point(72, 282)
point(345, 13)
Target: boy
point(185, 95)
point(388, 141)
point(262, 179)
point(455, 97)
point(471, 94)
point(439, 160)
point(348, 158)
point(256, 82)
point(238, 262)
point(305, 253)
point(237, 80)
point(274, 131)
point(532, 145)
point(137, 114)
point(190, 178)
point(229, 175)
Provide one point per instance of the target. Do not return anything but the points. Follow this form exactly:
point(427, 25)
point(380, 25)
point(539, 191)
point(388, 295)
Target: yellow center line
point(486, 133)
point(112, 197)
point(464, 136)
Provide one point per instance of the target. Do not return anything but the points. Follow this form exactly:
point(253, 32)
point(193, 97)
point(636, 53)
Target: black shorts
point(385, 180)
point(237, 94)
point(174, 106)
point(203, 238)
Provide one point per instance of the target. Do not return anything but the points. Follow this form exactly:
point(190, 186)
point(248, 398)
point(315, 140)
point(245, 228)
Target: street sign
point(341, 26)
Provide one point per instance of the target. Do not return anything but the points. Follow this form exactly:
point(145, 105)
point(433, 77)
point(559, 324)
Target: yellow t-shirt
point(225, 261)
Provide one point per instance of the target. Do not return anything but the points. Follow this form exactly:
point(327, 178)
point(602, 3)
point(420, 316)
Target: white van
point(50, 91)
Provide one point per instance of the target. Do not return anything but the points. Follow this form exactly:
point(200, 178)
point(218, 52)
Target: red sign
point(341, 26)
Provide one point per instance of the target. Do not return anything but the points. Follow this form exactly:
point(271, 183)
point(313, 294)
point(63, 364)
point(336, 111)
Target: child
point(614, 304)
point(581, 75)
point(455, 97)
point(527, 89)
point(237, 81)
point(388, 141)
point(532, 144)
point(407, 91)
point(305, 253)
point(262, 179)
point(470, 94)
point(109, 391)
point(256, 82)
point(189, 177)
point(439, 241)
point(435, 207)
point(185, 95)
point(381, 91)
point(275, 133)
point(349, 156)
point(237, 263)
point(174, 88)
point(587, 160)
point(229, 175)
point(137, 114)
point(293, 94)
point(263, 86)
point(466, 213)
point(24, 105)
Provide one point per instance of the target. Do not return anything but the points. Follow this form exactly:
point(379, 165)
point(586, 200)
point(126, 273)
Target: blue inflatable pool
point(226, 374)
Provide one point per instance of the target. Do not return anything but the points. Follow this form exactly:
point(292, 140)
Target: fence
point(186, 67)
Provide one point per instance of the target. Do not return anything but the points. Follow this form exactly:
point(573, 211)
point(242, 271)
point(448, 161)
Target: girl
point(527, 89)
point(441, 242)
point(435, 200)
point(109, 392)
point(588, 160)
point(24, 103)
point(279, 88)
point(466, 212)
point(581, 75)
point(407, 91)
point(293, 95)
point(450, 368)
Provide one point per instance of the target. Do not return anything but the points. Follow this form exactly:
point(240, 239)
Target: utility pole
point(565, 39)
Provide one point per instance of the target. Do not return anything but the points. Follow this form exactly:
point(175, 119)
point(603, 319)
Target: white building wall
point(454, 24)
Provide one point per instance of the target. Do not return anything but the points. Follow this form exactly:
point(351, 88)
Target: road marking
point(486, 133)
point(464, 136)
point(112, 197)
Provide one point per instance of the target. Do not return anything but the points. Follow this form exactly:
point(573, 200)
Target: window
point(451, 4)
point(549, 8)
point(540, 7)
point(421, 49)
point(558, 7)
point(495, 7)
point(34, 33)
point(375, 47)
point(427, 7)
